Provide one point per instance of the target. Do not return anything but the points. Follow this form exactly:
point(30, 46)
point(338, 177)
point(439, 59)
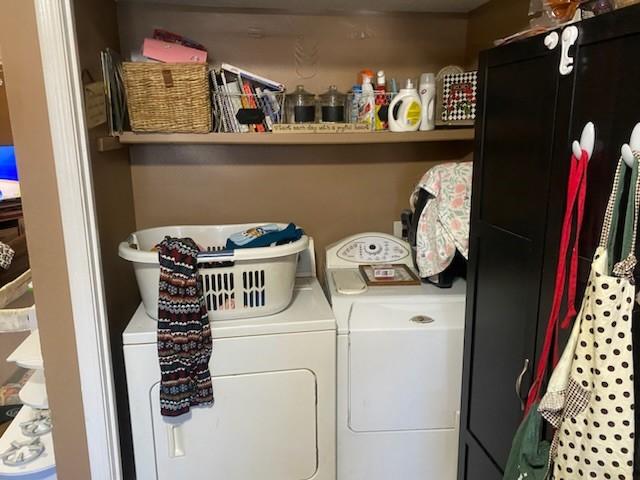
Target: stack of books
point(116, 101)
point(244, 102)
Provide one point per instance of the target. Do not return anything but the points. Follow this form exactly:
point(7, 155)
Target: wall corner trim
point(73, 170)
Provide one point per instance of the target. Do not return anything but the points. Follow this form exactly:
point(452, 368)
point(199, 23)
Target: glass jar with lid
point(301, 106)
point(332, 106)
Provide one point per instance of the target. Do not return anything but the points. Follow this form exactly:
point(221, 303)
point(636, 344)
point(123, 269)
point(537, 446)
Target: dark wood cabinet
point(529, 114)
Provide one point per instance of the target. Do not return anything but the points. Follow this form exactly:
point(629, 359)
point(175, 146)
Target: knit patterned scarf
point(184, 334)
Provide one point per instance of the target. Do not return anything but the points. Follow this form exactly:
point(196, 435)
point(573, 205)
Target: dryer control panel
point(368, 249)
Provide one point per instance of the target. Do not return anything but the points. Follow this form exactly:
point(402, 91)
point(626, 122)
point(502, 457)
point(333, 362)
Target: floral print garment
point(444, 223)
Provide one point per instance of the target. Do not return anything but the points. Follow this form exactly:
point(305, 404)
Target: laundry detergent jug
point(405, 110)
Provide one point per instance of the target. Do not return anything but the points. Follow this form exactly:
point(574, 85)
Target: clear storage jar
point(332, 106)
point(300, 106)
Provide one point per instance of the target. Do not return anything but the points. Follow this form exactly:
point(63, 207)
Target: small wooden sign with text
point(321, 128)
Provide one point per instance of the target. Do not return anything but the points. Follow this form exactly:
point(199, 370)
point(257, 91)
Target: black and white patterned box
point(459, 97)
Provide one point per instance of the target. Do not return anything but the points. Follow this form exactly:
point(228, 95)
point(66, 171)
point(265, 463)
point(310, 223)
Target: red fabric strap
point(575, 191)
point(573, 272)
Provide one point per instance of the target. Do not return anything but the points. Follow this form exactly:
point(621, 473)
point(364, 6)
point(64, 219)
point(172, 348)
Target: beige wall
point(494, 20)
point(316, 50)
point(332, 191)
point(5, 124)
point(28, 109)
point(8, 341)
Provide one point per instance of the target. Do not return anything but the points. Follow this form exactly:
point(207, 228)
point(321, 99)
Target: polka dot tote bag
point(590, 396)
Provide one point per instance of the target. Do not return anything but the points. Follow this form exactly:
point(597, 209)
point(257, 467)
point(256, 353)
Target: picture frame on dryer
point(394, 275)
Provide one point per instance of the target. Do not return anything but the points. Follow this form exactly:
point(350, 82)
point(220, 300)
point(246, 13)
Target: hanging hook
point(628, 149)
point(576, 149)
point(587, 141)
point(588, 138)
point(627, 155)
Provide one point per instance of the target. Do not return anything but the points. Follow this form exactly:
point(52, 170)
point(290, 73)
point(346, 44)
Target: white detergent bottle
point(428, 99)
point(405, 110)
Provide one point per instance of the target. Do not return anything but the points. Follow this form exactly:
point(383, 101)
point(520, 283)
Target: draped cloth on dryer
point(184, 333)
point(443, 227)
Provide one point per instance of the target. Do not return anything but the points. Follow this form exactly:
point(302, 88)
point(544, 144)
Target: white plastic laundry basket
point(248, 282)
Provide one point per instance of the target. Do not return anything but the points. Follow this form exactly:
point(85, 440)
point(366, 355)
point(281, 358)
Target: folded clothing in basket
point(264, 236)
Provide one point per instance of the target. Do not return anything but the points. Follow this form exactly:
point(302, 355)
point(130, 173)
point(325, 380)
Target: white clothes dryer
point(274, 388)
point(399, 364)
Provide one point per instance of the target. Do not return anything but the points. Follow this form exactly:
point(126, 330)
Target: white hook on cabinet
point(569, 38)
point(633, 146)
point(577, 150)
point(551, 40)
point(587, 141)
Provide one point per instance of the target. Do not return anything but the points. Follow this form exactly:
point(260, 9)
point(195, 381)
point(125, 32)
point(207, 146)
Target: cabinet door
point(477, 465)
point(512, 172)
point(607, 92)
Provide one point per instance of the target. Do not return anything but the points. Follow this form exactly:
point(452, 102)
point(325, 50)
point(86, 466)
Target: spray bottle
point(367, 104)
point(382, 102)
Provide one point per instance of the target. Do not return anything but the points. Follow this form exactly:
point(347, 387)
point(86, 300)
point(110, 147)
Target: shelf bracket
point(106, 144)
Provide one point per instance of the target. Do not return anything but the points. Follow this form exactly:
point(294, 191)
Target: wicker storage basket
point(168, 97)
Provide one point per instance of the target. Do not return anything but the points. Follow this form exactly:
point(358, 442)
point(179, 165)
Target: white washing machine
point(274, 386)
point(399, 367)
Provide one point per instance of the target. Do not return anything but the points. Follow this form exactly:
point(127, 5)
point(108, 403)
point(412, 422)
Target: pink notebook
point(172, 52)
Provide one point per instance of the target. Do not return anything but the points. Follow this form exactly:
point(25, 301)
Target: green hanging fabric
point(529, 457)
point(622, 173)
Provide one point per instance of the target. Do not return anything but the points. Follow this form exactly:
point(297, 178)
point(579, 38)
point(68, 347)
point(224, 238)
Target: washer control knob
point(373, 248)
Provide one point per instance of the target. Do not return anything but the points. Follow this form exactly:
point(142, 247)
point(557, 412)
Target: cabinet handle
point(519, 383)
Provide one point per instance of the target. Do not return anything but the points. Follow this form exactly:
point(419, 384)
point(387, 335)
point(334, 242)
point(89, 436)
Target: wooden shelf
point(442, 135)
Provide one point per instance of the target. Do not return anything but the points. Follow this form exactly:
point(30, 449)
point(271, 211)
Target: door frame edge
point(64, 93)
